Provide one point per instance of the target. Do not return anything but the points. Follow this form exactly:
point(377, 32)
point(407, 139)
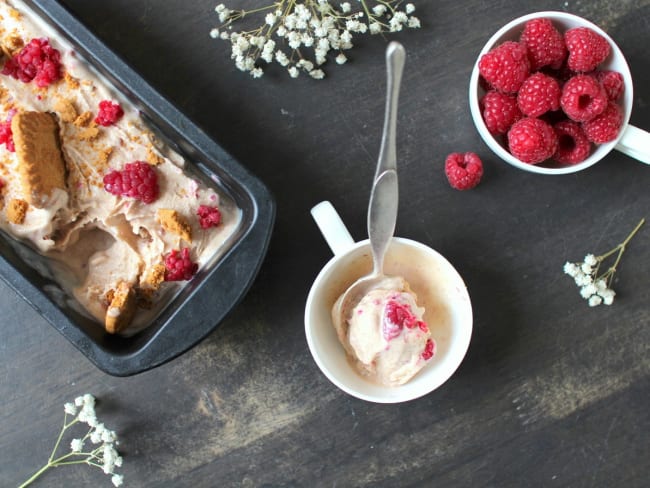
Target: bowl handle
point(635, 143)
point(332, 227)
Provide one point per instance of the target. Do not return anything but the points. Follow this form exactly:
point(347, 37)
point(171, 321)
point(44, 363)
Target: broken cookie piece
point(16, 211)
point(40, 162)
point(121, 308)
point(173, 222)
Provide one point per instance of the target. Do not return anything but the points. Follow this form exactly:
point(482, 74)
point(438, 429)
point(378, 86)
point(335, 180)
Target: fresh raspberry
point(37, 61)
point(429, 350)
point(606, 126)
point(137, 180)
point(6, 136)
point(587, 49)
point(539, 94)
point(505, 67)
point(544, 43)
point(109, 113)
point(532, 140)
point(612, 82)
point(583, 98)
point(179, 266)
point(464, 171)
point(500, 111)
point(573, 146)
point(208, 216)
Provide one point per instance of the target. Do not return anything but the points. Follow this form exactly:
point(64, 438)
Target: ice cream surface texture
point(88, 184)
point(385, 335)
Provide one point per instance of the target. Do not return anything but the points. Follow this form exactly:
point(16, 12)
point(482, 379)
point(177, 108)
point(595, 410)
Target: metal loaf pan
point(205, 300)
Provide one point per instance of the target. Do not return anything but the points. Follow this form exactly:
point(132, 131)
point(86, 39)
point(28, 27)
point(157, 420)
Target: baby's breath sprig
point(321, 26)
point(595, 287)
point(95, 448)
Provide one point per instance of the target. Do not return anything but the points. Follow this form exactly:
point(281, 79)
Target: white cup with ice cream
point(439, 289)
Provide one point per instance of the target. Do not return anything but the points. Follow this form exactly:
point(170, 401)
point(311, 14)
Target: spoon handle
point(382, 214)
point(395, 57)
point(384, 197)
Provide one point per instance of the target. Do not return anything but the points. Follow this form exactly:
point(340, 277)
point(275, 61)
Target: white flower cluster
point(317, 25)
point(101, 453)
point(595, 287)
point(594, 290)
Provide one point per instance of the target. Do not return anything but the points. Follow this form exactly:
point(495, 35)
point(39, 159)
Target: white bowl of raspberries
point(552, 93)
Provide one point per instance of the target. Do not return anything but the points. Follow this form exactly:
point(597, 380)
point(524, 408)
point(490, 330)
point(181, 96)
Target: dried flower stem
point(608, 275)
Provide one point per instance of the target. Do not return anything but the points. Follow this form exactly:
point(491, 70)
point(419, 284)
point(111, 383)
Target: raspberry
point(539, 94)
point(109, 113)
point(6, 136)
point(38, 61)
point(396, 317)
point(544, 43)
point(500, 111)
point(208, 216)
point(505, 67)
point(137, 180)
point(573, 146)
point(612, 82)
point(464, 171)
point(179, 267)
point(532, 140)
point(587, 49)
point(429, 350)
point(605, 127)
point(583, 98)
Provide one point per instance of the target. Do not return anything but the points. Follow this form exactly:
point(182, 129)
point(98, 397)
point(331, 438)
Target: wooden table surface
point(551, 392)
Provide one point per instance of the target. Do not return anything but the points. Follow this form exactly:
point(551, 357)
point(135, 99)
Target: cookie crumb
point(16, 211)
point(172, 221)
point(121, 308)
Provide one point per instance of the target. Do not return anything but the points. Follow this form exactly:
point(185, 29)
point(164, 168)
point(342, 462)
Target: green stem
point(36, 475)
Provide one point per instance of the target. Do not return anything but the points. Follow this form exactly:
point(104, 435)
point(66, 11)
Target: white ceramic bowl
point(440, 290)
point(632, 141)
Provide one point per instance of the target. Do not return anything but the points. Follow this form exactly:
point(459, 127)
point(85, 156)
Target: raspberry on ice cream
point(6, 136)
point(583, 98)
point(499, 111)
point(539, 94)
point(464, 171)
point(544, 43)
point(209, 216)
point(137, 180)
point(179, 266)
point(505, 67)
point(38, 61)
point(532, 140)
point(587, 49)
point(109, 113)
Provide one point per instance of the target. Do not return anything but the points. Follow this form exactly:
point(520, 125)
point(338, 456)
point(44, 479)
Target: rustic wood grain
point(551, 393)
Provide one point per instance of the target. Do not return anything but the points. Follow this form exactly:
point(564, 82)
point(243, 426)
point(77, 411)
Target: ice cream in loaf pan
point(64, 148)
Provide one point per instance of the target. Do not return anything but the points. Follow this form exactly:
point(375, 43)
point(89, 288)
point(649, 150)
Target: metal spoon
point(382, 210)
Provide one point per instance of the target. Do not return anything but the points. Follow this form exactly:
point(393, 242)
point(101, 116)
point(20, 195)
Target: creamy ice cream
point(110, 246)
point(384, 334)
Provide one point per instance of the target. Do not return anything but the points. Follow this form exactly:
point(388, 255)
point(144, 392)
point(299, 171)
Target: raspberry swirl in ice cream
point(385, 335)
point(91, 187)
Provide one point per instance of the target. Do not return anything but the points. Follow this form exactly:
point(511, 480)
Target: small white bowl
point(632, 141)
point(440, 290)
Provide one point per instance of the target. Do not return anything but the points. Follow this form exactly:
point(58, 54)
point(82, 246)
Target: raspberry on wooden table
point(587, 49)
point(532, 140)
point(544, 43)
point(505, 67)
point(464, 171)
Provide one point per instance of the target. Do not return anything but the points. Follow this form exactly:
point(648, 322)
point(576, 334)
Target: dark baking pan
point(205, 300)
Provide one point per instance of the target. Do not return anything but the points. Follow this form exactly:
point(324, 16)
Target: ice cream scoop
point(382, 210)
